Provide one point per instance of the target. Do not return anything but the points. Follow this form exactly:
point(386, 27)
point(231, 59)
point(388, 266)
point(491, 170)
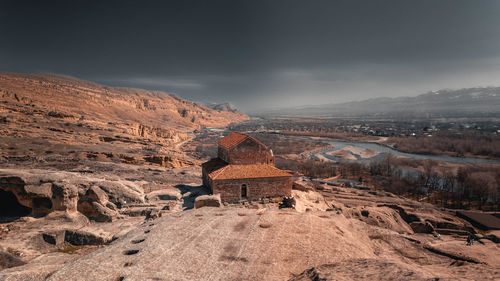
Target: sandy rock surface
point(231, 244)
point(99, 187)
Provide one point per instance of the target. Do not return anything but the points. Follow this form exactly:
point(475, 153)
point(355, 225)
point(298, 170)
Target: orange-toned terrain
point(45, 116)
point(100, 183)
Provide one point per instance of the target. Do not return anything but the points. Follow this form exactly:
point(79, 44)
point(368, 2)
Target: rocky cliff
point(44, 117)
point(70, 98)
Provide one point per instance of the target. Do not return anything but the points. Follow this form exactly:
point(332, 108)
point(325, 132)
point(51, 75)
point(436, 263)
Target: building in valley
point(244, 170)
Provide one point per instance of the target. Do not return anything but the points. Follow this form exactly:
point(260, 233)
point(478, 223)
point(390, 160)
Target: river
point(382, 151)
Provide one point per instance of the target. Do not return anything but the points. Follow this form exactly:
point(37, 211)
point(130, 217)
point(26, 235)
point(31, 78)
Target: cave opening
point(41, 206)
point(10, 209)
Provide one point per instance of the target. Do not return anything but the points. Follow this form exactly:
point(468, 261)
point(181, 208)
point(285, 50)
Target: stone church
point(244, 170)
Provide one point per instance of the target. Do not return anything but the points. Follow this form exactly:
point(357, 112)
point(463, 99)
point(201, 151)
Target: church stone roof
point(232, 139)
point(213, 165)
point(235, 138)
point(247, 172)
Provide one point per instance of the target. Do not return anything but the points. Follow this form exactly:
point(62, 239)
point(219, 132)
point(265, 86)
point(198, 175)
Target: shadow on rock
point(189, 194)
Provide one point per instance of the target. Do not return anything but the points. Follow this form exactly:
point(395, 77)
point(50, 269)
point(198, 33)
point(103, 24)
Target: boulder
point(207, 201)
point(96, 211)
point(85, 207)
point(299, 186)
point(64, 197)
point(104, 214)
point(111, 206)
point(77, 237)
point(97, 194)
point(164, 194)
point(121, 194)
point(80, 238)
point(95, 205)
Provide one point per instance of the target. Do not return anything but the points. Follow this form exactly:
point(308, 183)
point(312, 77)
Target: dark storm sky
point(258, 54)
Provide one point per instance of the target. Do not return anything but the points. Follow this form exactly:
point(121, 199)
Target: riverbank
point(384, 141)
point(384, 149)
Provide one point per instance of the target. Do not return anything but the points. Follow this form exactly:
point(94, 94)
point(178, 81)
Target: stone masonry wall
point(230, 190)
point(249, 152)
point(205, 179)
point(223, 153)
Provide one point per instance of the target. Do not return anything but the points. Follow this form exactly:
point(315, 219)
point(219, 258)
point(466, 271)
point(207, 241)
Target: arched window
point(243, 190)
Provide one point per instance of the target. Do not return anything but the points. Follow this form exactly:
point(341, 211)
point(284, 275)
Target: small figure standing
point(470, 240)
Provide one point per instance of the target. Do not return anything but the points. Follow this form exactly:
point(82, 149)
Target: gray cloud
point(259, 54)
point(159, 82)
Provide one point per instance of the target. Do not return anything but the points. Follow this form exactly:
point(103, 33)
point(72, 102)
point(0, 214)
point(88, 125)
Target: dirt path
point(180, 144)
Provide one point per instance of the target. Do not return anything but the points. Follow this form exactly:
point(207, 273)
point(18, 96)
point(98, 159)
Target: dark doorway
point(10, 209)
point(243, 191)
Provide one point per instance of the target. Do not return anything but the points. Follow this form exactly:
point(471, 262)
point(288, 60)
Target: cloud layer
point(259, 54)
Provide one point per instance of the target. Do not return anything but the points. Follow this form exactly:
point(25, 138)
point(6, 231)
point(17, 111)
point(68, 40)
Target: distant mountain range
point(462, 102)
point(222, 107)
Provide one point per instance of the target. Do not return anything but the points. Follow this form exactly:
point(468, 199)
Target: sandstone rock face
point(408, 218)
point(139, 211)
point(164, 194)
point(54, 237)
point(493, 236)
point(207, 201)
point(360, 269)
point(97, 194)
point(122, 193)
point(7, 261)
point(422, 227)
point(237, 247)
point(96, 211)
point(80, 238)
point(43, 190)
point(38, 269)
point(41, 198)
point(299, 185)
point(47, 91)
point(95, 205)
point(77, 237)
point(168, 161)
point(64, 197)
point(46, 192)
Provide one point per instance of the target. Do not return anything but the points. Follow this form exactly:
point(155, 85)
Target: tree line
point(461, 143)
point(467, 188)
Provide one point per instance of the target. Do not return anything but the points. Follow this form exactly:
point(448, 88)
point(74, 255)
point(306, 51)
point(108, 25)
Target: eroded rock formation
point(45, 192)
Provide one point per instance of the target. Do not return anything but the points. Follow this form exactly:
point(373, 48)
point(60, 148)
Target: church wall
point(249, 152)
point(223, 153)
point(257, 188)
